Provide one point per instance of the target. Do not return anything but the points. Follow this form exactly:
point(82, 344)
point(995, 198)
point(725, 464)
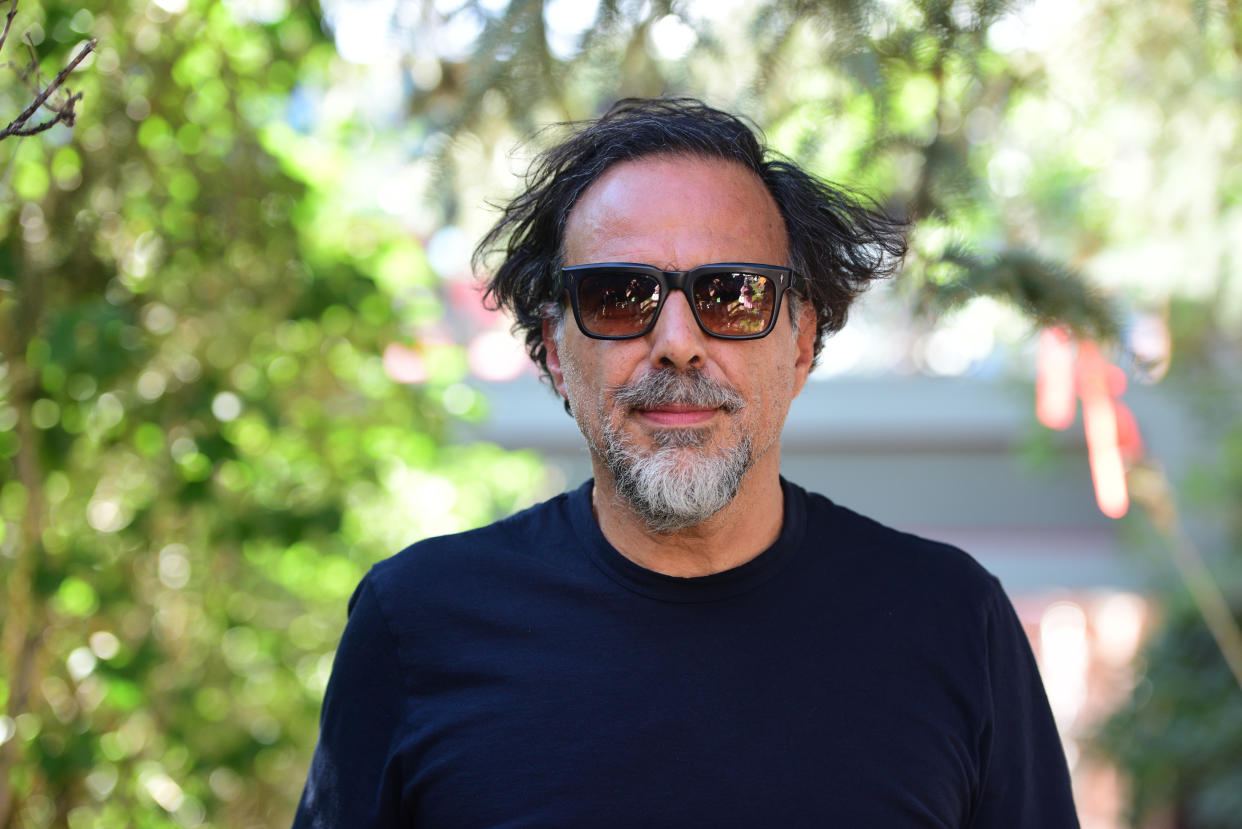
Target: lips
point(673, 415)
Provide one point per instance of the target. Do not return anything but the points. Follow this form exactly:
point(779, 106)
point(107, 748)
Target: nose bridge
point(677, 341)
point(678, 283)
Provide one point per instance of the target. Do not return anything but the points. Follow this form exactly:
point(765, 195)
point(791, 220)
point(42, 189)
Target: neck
point(747, 526)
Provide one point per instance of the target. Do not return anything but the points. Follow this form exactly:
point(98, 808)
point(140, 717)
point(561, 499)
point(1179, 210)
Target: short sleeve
point(352, 781)
point(1025, 782)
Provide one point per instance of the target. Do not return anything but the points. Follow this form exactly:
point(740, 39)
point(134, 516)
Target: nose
point(677, 342)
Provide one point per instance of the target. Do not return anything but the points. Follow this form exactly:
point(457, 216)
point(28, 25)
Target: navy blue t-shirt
point(526, 674)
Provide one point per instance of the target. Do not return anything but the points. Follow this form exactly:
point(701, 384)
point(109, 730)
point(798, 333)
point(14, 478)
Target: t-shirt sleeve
point(1025, 782)
point(352, 780)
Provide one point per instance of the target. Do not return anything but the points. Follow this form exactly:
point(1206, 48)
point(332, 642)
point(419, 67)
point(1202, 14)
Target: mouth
point(674, 415)
point(668, 399)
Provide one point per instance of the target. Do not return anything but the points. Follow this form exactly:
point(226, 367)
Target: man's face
point(678, 397)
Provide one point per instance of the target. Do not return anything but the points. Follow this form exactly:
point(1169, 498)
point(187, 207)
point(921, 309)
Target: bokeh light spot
point(226, 406)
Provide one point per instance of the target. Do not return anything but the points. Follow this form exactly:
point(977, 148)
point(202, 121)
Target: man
point(688, 640)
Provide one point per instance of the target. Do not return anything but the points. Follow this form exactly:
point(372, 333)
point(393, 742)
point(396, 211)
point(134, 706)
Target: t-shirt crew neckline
point(715, 587)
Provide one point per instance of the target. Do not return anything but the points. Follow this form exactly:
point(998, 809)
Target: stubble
point(681, 481)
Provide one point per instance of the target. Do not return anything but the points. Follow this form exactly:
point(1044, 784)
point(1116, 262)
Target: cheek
point(575, 388)
point(585, 377)
point(774, 393)
point(600, 365)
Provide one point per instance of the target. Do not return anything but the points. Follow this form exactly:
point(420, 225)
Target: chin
point(681, 438)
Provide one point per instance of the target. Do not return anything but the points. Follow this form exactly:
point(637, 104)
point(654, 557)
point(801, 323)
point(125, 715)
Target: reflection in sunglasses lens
point(617, 304)
point(733, 304)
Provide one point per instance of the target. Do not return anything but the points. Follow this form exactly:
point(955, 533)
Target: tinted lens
point(734, 304)
point(617, 304)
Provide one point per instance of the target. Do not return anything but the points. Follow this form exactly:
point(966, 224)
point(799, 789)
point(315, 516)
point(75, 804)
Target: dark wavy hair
point(838, 241)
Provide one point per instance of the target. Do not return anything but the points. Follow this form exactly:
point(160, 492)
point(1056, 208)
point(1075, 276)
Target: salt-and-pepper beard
point(678, 483)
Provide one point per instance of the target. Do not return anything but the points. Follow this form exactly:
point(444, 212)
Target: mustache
point(666, 386)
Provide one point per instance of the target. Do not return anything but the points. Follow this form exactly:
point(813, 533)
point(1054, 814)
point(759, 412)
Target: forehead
point(676, 212)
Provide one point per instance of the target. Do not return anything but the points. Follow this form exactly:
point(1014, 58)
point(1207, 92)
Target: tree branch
point(64, 112)
point(8, 23)
point(1151, 488)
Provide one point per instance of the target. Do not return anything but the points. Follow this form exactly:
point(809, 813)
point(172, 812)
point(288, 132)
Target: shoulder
point(905, 562)
point(483, 568)
point(524, 533)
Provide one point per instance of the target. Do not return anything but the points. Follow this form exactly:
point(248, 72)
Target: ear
point(553, 357)
point(804, 342)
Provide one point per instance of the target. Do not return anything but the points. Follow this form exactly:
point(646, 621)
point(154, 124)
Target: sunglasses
point(621, 301)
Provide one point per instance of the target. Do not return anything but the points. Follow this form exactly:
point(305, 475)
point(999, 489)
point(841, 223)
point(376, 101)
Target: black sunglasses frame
point(683, 281)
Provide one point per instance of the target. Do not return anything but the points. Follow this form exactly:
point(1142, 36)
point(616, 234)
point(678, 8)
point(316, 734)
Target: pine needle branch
point(1048, 292)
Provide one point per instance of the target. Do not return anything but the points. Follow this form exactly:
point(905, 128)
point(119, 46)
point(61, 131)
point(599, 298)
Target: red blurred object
point(1128, 434)
point(465, 299)
point(1065, 371)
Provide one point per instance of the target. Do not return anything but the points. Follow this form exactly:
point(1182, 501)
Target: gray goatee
point(679, 483)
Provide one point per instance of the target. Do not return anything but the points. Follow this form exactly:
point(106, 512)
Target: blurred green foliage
point(200, 451)
point(1178, 736)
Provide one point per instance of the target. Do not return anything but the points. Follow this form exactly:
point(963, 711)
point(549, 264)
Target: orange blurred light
point(1099, 415)
point(1054, 380)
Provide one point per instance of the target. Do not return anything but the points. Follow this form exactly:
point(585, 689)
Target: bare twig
point(64, 112)
point(30, 74)
point(8, 23)
point(1150, 487)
